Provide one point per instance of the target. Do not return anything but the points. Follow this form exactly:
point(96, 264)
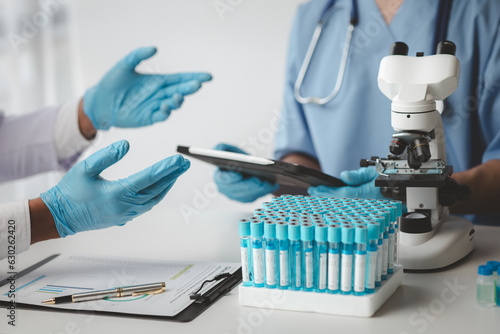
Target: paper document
point(66, 275)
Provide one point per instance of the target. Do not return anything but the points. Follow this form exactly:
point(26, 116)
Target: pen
point(134, 290)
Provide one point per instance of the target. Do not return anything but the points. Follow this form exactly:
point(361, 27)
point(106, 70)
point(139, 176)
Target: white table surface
point(426, 303)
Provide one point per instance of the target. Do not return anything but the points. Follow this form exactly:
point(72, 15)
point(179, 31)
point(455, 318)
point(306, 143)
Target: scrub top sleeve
point(489, 105)
point(68, 139)
point(293, 132)
point(15, 228)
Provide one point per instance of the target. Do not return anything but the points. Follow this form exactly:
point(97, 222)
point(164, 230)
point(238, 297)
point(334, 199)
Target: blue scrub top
point(356, 124)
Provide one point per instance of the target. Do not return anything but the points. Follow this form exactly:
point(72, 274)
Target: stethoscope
point(444, 9)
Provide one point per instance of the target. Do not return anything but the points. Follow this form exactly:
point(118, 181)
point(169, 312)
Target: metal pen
point(133, 290)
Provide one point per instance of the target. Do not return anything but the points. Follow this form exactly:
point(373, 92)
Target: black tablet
point(283, 173)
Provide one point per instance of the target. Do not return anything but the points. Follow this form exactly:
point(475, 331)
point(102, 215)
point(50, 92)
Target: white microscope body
point(414, 84)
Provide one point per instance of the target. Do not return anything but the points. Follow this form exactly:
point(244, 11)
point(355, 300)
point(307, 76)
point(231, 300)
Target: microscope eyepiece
point(399, 49)
point(446, 48)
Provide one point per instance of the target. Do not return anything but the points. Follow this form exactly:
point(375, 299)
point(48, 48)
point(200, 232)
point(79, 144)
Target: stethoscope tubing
point(444, 10)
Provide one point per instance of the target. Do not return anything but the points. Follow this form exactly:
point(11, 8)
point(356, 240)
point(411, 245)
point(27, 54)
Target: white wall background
point(244, 47)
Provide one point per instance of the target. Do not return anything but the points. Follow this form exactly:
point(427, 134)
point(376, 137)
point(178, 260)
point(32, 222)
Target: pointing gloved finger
point(170, 79)
point(106, 157)
point(169, 168)
point(184, 88)
point(135, 57)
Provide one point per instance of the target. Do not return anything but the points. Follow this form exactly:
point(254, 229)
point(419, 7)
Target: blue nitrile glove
point(237, 187)
point(360, 184)
point(84, 201)
point(125, 98)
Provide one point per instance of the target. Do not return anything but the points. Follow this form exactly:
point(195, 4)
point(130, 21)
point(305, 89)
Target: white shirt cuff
point(68, 139)
point(15, 228)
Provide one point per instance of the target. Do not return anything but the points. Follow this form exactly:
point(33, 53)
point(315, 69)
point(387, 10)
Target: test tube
point(295, 255)
point(271, 252)
point(333, 258)
point(246, 254)
point(307, 238)
point(385, 242)
point(282, 236)
point(257, 231)
point(320, 257)
point(494, 267)
point(380, 248)
point(372, 256)
point(347, 238)
point(485, 287)
point(497, 287)
point(399, 206)
point(360, 243)
point(392, 237)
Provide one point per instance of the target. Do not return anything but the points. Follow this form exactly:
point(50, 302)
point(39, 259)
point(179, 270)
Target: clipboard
point(286, 174)
point(209, 297)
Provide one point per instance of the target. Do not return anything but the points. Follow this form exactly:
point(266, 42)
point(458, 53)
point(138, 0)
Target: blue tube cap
point(399, 205)
point(307, 232)
point(321, 233)
point(484, 270)
point(361, 234)
point(294, 231)
point(282, 231)
point(494, 265)
point(270, 230)
point(347, 233)
point(334, 233)
point(393, 210)
point(257, 229)
point(373, 230)
point(244, 227)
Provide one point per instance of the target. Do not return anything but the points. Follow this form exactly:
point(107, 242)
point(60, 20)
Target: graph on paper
point(61, 289)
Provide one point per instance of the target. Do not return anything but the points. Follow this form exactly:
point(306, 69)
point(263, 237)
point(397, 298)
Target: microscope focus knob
point(415, 222)
point(399, 49)
point(446, 48)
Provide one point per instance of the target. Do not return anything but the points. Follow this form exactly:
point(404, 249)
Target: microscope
point(416, 171)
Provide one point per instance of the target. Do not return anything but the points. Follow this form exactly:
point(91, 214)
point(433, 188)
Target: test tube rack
point(262, 268)
point(336, 304)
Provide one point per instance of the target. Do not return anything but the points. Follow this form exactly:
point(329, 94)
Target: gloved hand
point(84, 201)
point(360, 184)
point(237, 187)
point(127, 99)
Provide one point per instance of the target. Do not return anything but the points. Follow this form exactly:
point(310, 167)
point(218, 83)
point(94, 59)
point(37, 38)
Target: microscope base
point(453, 239)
